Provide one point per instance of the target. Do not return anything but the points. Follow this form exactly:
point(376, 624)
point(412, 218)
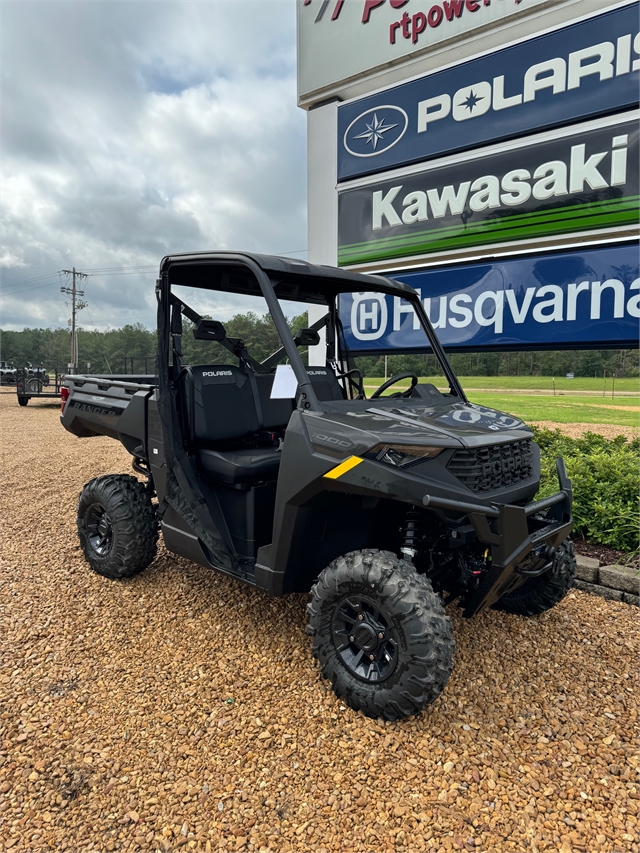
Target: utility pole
point(77, 304)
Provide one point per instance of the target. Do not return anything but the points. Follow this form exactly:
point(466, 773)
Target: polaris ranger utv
point(385, 508)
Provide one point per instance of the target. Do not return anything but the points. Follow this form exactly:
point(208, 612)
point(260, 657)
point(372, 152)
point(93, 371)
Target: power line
point(104, 272)
point(27, 289)
point(37, 278)
point(39, 286)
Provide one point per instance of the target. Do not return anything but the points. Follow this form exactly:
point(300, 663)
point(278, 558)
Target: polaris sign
point(586, 299)
point(586, 69)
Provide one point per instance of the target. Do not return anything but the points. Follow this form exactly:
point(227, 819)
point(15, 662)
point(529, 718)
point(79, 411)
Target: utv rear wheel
point(540, 594)
point(381, 634)
point(117, 526)
point(22, 401)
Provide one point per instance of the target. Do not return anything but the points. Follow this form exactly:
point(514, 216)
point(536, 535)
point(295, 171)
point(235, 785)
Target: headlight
point(402, 455)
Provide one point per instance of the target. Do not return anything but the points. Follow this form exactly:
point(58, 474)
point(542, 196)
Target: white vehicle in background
point(7, 373)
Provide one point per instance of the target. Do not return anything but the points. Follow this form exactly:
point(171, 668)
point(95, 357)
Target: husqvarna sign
point(580, 71)
point(582, 299)
point(339, 40)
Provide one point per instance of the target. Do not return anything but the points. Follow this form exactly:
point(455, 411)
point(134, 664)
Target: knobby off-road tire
point(117, 526)
point(22, 401)
point(372, 605)
point(540, 594)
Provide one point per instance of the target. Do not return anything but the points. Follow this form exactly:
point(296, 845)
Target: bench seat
point(240, 466)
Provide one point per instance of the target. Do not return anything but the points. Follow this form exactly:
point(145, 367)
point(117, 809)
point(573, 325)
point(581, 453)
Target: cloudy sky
point(134, 129)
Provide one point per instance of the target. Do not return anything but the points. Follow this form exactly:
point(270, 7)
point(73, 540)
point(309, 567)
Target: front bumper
point(519, 537)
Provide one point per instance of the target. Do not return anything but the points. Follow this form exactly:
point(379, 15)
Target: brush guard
point(522, 540)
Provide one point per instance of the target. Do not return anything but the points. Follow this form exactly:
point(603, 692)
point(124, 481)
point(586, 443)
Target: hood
point(446, 424)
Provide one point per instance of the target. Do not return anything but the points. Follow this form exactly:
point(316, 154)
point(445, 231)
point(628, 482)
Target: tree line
point(131, 349)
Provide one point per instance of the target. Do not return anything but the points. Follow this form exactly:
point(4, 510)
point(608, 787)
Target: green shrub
point(604, 475)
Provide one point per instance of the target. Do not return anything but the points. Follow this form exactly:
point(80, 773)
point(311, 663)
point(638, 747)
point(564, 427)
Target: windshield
point(314, 324)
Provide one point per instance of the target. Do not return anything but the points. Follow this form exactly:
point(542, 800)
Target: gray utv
point(384, 508)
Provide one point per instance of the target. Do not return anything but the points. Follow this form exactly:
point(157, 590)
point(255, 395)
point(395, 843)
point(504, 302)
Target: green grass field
point(532, 383)
point(565, 408)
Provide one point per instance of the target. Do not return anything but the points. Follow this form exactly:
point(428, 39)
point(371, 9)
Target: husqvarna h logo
point(369, 316)
point(375, 131)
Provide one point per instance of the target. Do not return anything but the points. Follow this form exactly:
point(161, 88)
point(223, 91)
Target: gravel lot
point(609, 431)
point(182, 710)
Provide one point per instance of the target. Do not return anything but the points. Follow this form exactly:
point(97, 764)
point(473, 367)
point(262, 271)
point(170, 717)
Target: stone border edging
point(614, 583)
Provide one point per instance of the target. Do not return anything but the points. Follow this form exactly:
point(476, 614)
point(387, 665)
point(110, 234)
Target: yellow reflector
point(343, 467)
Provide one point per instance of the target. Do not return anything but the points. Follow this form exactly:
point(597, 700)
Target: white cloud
point(136, 129)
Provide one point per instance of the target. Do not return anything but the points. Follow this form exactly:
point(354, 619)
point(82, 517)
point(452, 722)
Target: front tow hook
point(545, 553)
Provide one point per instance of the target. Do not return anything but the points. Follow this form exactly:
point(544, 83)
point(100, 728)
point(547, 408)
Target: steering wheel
point(397, 378)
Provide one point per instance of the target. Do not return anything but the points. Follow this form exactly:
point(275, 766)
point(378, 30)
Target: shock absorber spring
point(410, 535)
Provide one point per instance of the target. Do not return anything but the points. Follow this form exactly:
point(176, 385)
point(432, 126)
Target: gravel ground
point(181, 710)
point(576, 430)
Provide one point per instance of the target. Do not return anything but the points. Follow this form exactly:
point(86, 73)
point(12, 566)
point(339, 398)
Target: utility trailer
point(290, 479)
point(35, 384)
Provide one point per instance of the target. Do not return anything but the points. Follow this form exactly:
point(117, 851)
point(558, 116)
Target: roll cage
point(276, 279)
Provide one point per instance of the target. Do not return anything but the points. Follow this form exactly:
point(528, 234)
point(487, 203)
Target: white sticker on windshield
point(285, 383)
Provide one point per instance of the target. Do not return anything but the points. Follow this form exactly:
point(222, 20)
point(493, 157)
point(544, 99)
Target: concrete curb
point(613, 583)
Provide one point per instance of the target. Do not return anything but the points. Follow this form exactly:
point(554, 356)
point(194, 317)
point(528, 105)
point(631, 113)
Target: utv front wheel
point(381, 634)
point(117, 526)
point(542, 593)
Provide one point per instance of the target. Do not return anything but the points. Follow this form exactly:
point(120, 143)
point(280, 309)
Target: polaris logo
point(604, 61)
point(217, 373)
point(375, 131)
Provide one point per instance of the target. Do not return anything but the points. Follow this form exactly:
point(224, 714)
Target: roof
point(292, 279)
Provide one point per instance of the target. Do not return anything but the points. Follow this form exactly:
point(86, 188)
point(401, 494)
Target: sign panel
point(580, 181)
point(587, 69)
point(585, 299)
point(342, 39)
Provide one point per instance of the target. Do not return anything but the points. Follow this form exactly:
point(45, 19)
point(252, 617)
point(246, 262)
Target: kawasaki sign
point(583, 179)
point(587, 69)
point(586, 299)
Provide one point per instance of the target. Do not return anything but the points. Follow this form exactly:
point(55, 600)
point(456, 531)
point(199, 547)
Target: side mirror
point(209, 330)
point(307, 338)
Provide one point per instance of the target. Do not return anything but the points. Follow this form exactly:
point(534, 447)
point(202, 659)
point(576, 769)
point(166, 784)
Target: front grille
point(486, 469)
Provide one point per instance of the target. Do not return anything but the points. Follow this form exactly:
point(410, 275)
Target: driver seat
point(220, 412)
point(325, 383)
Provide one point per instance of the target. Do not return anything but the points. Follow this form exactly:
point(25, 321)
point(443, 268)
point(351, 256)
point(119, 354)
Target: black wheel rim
point(366, 642)
point(99, 530)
